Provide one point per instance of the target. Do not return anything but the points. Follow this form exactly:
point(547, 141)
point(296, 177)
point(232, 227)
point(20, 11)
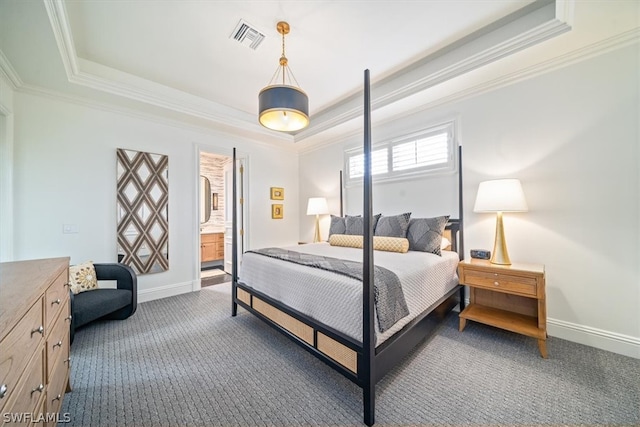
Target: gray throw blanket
point(391, 305)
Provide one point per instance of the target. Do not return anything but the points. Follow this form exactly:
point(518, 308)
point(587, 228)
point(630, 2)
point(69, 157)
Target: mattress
point(336, 300)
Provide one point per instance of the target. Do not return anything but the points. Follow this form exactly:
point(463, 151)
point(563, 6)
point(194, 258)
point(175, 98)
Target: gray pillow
point(337, 226)
point(393, 226)
point(355, 224)
point(425, 234)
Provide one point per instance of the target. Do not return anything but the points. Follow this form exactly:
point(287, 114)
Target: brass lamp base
point(500, 254)
point(316, 237)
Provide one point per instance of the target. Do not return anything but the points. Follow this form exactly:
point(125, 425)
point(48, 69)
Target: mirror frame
point(205, 199)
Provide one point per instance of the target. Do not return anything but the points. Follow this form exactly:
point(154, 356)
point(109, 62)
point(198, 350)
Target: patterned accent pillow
point(82, 277)
point(388, 244)
point(393, 226)
point(425, 234)
point(355, 224)
point(337, 226)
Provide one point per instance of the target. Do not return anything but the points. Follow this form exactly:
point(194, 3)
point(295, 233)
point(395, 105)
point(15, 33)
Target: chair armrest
point(126, 278)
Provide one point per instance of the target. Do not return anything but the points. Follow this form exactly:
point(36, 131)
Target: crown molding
point(62, 33)
point(228, 135)
point(541, 20)
point(602, 47)
point(9, 73)
point(526, 27)
point(98, 77)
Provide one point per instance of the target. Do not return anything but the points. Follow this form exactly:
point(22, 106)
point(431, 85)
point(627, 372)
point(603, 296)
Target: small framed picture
point(277, 193)
point(277, 211)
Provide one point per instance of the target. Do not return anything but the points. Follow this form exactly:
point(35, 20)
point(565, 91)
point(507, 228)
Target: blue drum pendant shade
point(281, 106)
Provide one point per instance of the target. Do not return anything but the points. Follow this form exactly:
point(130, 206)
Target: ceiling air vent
point(247, 35)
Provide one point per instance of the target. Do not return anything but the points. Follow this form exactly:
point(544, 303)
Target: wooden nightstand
point(510, 297)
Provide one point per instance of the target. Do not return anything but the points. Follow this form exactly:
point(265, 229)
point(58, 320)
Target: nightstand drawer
point(522, 285)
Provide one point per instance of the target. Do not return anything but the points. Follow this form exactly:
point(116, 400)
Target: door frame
point(243, 158)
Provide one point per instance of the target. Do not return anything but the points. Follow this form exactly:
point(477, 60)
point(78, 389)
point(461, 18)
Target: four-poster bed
point(364, 357)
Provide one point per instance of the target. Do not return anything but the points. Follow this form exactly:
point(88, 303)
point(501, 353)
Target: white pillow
point(445, 243)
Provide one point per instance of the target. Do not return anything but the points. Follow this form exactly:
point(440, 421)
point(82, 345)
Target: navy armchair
point(106, 303)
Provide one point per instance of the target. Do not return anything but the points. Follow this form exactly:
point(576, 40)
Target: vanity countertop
point(212, 230)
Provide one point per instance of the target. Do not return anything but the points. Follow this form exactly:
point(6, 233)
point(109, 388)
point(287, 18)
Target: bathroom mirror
point(205, 199)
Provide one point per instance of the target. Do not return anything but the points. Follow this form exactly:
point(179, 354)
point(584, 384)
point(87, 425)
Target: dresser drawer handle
point(38, 389)
point(40, 330)
point(68, 318)
point(57, 301)
point(67, 285)
point(58, 344)
point(3, 390)
point(67, 360)
point(56, 398)
point(496, 283)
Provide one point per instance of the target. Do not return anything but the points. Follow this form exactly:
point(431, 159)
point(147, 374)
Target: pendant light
point(283, 107)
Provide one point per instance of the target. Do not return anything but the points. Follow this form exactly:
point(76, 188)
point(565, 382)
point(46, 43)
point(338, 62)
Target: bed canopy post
point(460, 207)
point(234, 238)
point(341, 209)
point(368, 330)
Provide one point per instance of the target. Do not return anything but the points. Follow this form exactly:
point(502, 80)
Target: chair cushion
point(89, 306)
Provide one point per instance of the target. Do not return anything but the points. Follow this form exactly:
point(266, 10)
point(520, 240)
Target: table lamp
point(317, 206)
point(500, 195)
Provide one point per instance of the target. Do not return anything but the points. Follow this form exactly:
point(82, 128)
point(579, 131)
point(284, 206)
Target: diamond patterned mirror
point(143, 211)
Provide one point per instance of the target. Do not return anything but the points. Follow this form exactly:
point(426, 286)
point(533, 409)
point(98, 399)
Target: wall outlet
point(69, 228)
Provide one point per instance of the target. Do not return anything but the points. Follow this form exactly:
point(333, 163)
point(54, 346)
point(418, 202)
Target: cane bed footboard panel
point(343, 351)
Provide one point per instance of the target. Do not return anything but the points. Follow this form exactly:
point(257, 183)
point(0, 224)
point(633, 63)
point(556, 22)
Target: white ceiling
point(175, 58)
point(185, 45)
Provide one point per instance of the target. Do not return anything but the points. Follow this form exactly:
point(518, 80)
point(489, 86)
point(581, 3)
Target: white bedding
point(336, 300)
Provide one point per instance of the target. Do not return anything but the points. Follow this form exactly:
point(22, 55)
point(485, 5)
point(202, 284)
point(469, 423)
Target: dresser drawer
point(57, 385)
point(29, 393)
point(510, 283)
point(17, 347)
point(58, 340)
point(56, 295)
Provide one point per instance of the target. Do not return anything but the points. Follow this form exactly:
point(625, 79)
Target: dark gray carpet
point(184, 361)
point(216, 280)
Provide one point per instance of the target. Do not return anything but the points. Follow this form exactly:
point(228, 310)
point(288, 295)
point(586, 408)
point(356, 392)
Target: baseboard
point(165, 291)
point(604, 340)
point(597, 338)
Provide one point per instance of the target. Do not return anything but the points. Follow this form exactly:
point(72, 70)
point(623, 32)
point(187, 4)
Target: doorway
point(215, 236)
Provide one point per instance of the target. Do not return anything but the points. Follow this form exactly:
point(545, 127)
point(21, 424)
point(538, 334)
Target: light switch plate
point(69, 228)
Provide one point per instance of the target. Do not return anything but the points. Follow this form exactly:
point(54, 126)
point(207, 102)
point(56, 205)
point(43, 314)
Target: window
point(379, 163)
point(425, 152)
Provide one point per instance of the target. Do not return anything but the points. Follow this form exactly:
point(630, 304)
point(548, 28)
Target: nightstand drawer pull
point(40, 330)
point(58, 344)
point(510, 283)
point(38, 389)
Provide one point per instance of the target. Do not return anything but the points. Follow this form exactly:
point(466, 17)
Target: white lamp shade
point(317, 206)
point(500, 195)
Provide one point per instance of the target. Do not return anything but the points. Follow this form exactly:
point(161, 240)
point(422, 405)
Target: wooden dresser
point(34, 341)
point(211, 247)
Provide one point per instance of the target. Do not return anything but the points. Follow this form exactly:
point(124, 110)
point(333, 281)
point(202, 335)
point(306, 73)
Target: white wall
point(6, 171)
point(65, 173)
point(572, 138)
